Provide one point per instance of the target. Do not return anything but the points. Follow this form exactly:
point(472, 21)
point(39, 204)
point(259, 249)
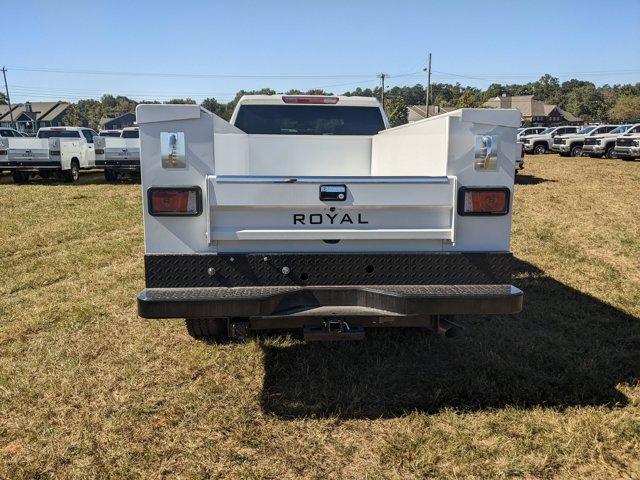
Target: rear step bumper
point(294, 302)
point(29, 164)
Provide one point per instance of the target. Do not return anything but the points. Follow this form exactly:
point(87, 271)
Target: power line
point(184, 75)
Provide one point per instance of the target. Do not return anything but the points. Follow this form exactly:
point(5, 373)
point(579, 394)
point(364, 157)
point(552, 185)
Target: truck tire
point(214, 330)
point(576, 151)
point(73, 173)
point(109, 175)
point(611, 152)
point(540, 149)
point(20, 177)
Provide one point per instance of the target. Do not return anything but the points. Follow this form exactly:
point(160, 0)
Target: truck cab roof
point(62, 129)
point(591, 131)
point(328, 100)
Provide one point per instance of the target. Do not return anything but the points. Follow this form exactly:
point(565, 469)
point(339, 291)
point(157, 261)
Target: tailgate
point(122, 149)
point(28, 149)
point(281, 208)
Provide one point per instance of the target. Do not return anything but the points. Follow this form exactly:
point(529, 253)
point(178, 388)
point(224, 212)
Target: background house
point(534, 111)
point(118, 122)
point(31, 116)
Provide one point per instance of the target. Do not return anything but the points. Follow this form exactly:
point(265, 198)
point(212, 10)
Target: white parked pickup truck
point(628, 145)
point(306, 211)
point(605, 144)
point(540, 143)
point(570, 144)
point(61, 151)
point(119, 156)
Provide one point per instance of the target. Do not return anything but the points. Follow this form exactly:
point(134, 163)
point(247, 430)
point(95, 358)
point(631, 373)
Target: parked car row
point(597, 141)
point(65, 151)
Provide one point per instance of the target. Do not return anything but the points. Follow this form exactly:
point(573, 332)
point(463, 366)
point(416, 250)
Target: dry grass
point(88, 390)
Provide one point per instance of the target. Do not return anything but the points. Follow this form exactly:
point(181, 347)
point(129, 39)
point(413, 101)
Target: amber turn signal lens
point(483, 201)
point(175, 201)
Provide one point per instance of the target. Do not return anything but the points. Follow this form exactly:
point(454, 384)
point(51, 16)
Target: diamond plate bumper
point(253, 270)
point(303, 285)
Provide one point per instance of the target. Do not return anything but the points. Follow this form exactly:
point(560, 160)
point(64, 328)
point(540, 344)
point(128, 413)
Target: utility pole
point(6, 87)
point(428, 92)
point(382, 76)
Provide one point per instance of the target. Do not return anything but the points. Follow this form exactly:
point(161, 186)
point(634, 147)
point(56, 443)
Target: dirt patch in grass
point(89, 390)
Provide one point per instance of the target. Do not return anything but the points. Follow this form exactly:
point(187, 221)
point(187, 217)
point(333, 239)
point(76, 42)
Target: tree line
point(616, 103)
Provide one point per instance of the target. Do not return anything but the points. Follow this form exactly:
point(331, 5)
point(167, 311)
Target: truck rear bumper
point(271, 303)
point(30, 165)
point(344, 284)
point(119, 165)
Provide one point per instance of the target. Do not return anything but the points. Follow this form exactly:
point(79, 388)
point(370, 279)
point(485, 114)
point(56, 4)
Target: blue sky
point(338, 45)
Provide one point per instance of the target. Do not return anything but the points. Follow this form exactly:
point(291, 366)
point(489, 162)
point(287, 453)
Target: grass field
point(89, 390)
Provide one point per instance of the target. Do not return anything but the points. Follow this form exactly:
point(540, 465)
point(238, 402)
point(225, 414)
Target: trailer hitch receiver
point(333, 329)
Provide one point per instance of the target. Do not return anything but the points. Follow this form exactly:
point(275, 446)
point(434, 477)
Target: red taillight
point(54, 153)
point(99, 151)
point(483, 201)
point(310, 99)
point(175, 201)
point(3, 152)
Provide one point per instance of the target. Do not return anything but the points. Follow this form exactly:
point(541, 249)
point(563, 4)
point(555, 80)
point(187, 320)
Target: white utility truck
point(307, 212)
point(55, 151)
point(119, 156)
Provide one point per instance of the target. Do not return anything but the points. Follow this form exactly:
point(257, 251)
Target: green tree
point(547, 88)
point(216, 107)
point(317, 91)
point(470, 98)
point(179, 101)
point(626, 109)
point(586, 102)
point(84, 113)
point(3, 99)
point(359, 92)
point(396, 110)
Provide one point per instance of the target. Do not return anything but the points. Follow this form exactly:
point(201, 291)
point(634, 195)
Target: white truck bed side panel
point(166, 113)
point(482, 233)
point(175, 234)
point(321, 155)
point(419, 148)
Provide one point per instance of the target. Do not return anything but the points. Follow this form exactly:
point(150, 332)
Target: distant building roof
point(39, 111)
point(109, 118)
point(56, 111)
point(528, 105)
point(418, 112)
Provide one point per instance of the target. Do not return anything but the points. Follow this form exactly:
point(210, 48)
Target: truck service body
point(307, 211)
point(119, 155)
point(54, 151)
